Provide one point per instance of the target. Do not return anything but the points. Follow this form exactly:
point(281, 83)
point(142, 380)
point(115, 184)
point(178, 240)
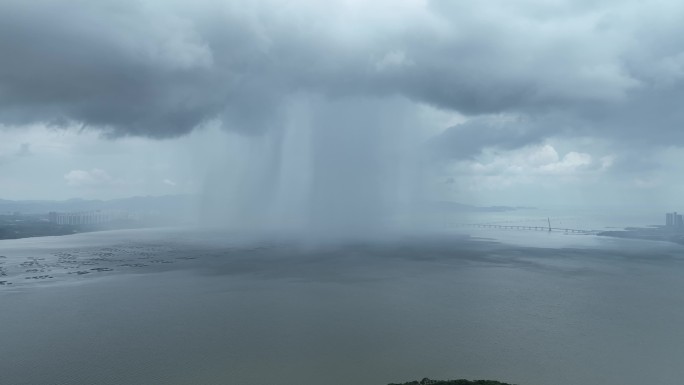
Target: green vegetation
point(427, 381)
point(23, 226)
point(17, 225)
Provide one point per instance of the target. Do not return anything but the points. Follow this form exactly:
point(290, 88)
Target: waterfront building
point(674, 220)
point(87, 217)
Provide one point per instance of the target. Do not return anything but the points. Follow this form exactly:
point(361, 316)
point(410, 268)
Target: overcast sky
point(507, 102)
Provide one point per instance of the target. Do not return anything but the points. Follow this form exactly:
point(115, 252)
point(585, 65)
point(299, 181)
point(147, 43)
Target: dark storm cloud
point(104, 64)
point(160, 69)
point(465, 140)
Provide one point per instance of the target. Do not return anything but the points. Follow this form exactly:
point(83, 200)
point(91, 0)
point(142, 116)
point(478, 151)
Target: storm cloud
point(162, 68)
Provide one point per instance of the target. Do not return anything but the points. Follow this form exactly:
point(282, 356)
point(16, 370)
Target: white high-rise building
point(87, 217)
point(674, 220)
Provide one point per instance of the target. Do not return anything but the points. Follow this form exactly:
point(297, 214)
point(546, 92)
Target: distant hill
point(24, 219)
point(166, 203)
point(183, 206)
point(460, 207)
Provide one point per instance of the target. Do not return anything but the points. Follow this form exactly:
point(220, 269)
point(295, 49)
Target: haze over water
point(182, 307)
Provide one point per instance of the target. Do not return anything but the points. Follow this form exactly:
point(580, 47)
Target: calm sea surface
point(179, 307)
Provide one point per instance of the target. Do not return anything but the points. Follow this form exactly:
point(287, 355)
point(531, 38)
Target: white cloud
point(534, 160)
point(646, 183)
point(391, 60)
point(93, 178)
point(532, 165)
point(572, 162)
point(543, 156)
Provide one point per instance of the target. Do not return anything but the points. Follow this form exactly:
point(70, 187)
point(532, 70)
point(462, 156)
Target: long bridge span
point(532, 228)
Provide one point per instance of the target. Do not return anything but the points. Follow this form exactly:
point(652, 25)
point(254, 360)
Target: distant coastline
point(18, 226)
point(652, 233)
point(28, 219)
point(427, 381)
point(465, 208)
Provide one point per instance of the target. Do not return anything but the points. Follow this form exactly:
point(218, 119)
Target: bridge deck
point(533, 228)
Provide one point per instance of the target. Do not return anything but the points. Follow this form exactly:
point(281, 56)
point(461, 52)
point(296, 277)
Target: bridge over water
point(532, 228)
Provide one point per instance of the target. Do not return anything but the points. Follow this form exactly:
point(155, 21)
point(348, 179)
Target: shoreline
point(660, 234)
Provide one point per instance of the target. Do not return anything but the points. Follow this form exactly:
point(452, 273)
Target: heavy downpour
point(341, 192)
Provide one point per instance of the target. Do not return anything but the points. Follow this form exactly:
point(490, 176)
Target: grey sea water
point(179, 307)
